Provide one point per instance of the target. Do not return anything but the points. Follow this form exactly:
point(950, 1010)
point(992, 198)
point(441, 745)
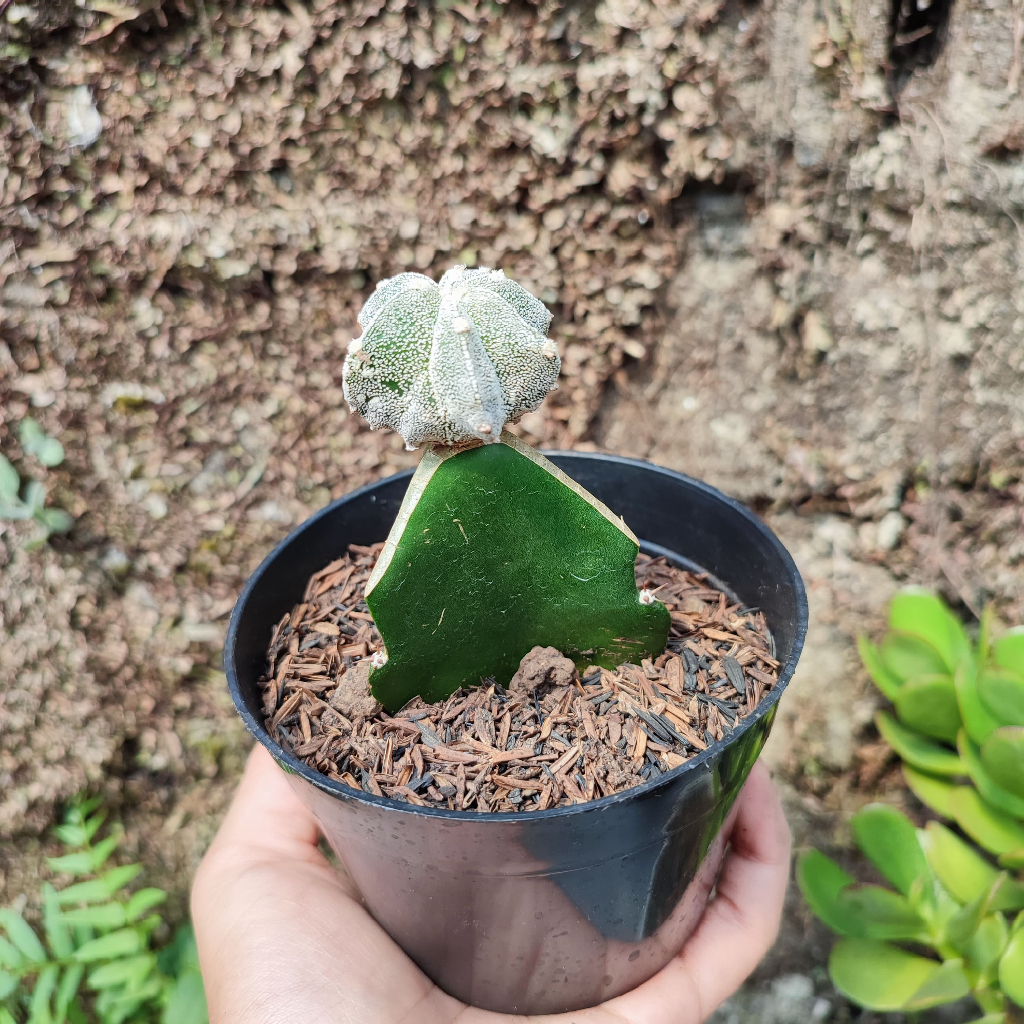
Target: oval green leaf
point(977, 720)
point(131, 970)
point(916, 750)
point(58, 937)
point(1013, 860)
point(881, 914)
point(882, 677)
point(67, 989)
point(1003, 894)
point(932, 791)
point(958, 866)
point(996, 832)
point(890, 842)
point(883, 977)
point(917, 611)
point(906, 656)
point(104, 915)
point(1002, 756)
point(125, 942)
point(1011, 969)
point(1002, 695)
point(39, 1009)
point(56, 520)
point(22, 935)
point(948, 984)
point(1008, 650)
point(10, 482)
point(9, 955)
point(143, 901)
point(71, 863)
point(821, 880)
point(928, 705)
point(990, 790)
point(986, 946)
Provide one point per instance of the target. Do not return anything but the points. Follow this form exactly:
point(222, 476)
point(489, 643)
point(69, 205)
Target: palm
point(283, 937)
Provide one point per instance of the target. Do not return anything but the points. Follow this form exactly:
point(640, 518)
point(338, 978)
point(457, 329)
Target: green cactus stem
point(496, 551)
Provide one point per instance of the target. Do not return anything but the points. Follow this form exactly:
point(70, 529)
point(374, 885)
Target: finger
point(739, 925)
point(267, 816)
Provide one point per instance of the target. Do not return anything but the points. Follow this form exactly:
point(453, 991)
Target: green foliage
point(959, 729)
point(29, 501)
point(48, 451)
point(95, 960)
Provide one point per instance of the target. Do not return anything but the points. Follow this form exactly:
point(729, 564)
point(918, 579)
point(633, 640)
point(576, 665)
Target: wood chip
point(571, 743)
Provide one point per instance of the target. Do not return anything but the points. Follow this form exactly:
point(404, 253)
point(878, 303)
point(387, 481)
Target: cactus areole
point(494, 551)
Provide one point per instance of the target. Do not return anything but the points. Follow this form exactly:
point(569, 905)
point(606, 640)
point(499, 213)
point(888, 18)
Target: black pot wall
point(555, 910)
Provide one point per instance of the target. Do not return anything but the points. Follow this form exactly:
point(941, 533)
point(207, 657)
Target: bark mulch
point(550, 739)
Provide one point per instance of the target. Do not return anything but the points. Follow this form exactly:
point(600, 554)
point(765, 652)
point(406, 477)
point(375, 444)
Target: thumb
point(267, 817)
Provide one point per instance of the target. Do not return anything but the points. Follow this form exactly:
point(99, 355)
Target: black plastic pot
point(555, 910)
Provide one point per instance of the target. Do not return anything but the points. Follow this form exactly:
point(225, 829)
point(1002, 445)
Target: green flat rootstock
point(494, 552)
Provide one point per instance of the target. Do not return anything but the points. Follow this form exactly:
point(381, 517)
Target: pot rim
point(340, 791)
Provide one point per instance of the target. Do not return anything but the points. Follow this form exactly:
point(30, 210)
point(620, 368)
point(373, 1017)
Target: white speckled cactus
point(451, 362)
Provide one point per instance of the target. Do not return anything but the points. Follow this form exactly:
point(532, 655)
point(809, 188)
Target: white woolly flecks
point(453, 361)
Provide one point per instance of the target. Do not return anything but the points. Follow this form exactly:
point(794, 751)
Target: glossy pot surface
point(555, 910)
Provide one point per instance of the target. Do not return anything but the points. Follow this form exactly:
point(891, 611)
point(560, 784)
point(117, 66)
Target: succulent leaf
point(932, 791)
point(10, 482)
point(927, 704)
point(997, 832)
point(960, 868)
point(991, 791)
point(1008, 650)
point(882, 677)
point(822, 881)
point(890, 841)
point(978, 721)
point(921, 613)
point(450, 362)
point(916, 750)
point(882, 914)
point(907, 656)
point(1011, 968)
point(1002, 694)
point(1002, 754)
point(986, 945)
point(884, 977)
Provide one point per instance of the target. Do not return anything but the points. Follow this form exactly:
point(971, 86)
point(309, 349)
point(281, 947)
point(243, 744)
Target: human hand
point(284, 938)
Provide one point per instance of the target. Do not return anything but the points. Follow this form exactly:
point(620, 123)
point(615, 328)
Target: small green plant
point(494, 551)
point(958, 726)
point(29, 501)
point(95, 961)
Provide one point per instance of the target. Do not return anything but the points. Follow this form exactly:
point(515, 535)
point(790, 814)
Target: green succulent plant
point(28, 500)
point(495, 551)
point(958, 725)
point(95, 961)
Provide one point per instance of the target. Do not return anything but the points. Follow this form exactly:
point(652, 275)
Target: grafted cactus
point(494, 551)
point(450, 362)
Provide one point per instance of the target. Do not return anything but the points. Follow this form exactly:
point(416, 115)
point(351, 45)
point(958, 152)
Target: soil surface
point(783, 252)
point(549, 739)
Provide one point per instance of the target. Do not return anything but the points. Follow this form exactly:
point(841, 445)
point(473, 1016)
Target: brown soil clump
point(551, 739)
